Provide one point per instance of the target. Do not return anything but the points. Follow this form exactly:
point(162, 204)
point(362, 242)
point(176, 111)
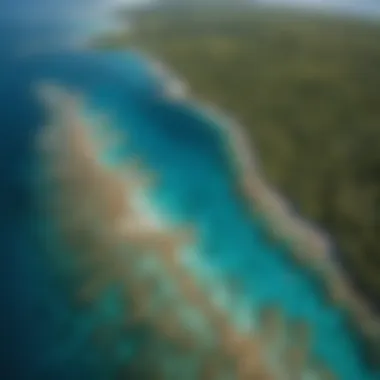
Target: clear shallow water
point(44, 335)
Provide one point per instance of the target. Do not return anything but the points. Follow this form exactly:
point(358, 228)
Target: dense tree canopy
point(307, 90)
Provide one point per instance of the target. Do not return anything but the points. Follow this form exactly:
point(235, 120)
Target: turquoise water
point(46, 337)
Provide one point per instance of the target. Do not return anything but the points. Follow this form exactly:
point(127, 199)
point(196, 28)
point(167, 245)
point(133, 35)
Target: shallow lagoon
point(196, 185)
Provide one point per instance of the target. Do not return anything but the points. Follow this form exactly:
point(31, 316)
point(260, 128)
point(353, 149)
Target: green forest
point(307, 89)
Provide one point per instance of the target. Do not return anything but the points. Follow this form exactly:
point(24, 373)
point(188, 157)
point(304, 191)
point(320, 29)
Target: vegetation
point(307, 88)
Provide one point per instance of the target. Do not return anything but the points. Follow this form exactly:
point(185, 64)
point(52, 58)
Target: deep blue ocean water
point(42, 337)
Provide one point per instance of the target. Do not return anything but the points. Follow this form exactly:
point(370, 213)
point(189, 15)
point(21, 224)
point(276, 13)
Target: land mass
point(306, 89)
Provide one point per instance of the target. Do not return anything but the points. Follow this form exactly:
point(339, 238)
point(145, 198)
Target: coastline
point(308, 245)
point(166, 243)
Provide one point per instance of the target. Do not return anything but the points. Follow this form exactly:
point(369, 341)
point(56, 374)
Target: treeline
point(307, 88)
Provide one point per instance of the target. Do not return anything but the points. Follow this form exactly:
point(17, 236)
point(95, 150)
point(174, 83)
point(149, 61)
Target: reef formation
point(198, 325)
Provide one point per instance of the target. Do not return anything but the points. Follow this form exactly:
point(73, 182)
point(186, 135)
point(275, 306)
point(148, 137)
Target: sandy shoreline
point(309, 245)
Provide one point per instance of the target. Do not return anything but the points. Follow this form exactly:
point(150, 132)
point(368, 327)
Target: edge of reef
point(74, 152)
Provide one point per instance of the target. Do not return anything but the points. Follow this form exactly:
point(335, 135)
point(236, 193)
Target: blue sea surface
point(41, 335)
